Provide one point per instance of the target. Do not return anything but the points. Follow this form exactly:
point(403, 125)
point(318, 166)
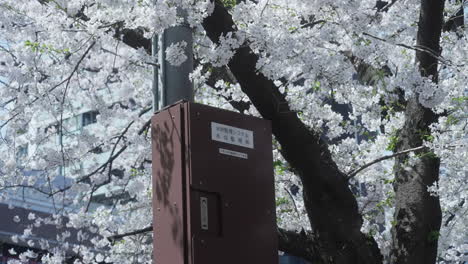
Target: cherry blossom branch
point(415, 48)
point(136, 232)
point(354, 173)
point(66, 80)
point(223, 73)
point(111, 158)
point(294, 201)
point(12, 99)
point(455, 21)
point(62, 105)
point(144, 127)
point(306, 152)
point(88, 204)
point(9, 120)
point(132, 37)
point(87, 176)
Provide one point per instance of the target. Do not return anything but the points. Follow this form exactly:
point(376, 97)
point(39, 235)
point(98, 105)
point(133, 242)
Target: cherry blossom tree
point(368, 103)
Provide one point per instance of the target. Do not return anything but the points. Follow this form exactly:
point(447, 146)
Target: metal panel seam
point(183, 129)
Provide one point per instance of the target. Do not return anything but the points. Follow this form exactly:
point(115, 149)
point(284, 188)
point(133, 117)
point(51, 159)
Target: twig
point(416, 48)
point(136, 232)
point(387, 6)
point(88, 204)
point(354, 173)
point(66, 80)
point(264, 7)
point(294, 201)
point(111, 159)
point(144, 127)
point(86, 177)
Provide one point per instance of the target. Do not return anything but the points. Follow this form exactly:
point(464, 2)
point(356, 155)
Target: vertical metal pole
point(465, 15)
point(154, 53)
point(162, 72)
point(175, 81)
point(171, 84)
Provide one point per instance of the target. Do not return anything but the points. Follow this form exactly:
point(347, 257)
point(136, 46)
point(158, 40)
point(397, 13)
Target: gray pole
point(173, 83)
point(465, 14)
point(154, 53)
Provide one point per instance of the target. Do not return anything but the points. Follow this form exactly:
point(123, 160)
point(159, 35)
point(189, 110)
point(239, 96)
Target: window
point(53, 127)
point(21, 154)
point(89, 118)
point(465, 9)
point(22, 151)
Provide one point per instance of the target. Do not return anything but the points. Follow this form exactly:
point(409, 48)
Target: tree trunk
point(331, 206)
point(417, 213)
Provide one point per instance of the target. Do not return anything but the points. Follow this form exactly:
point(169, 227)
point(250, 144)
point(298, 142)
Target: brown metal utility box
point(213, 187)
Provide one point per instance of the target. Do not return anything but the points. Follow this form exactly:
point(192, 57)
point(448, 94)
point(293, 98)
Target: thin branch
point(66, 80)
point(9, 120)
point(310, 25)
point(264, 7)
point(354, 173)
point(112, 157)
point(7, 85)
point(93, 189)
point(111, 24)
point(415, 48)
point(136, 232)
point(294, 201)
point(100, 168)
point(455, 21)
point(144, 127)
point(387, 6)
point(62, 106)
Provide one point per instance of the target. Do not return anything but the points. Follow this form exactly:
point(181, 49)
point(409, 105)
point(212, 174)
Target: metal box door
point(218, 165)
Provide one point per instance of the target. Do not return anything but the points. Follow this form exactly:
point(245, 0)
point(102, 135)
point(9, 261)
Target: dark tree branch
point(66, 80)
point(110, 160)
point(383, 6)
point(455, 21)
point(222, 73)
point(419, 48)
point(354, 173)
point(331, 206)
point(300, 244)
point(132, 37)
point(133, 233)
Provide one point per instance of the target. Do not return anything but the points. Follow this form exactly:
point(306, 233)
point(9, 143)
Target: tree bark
point(331, 206)
point(301, 244)
point(417, 213)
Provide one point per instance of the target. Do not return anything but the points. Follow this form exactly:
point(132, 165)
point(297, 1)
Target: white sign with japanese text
point(232, 135)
